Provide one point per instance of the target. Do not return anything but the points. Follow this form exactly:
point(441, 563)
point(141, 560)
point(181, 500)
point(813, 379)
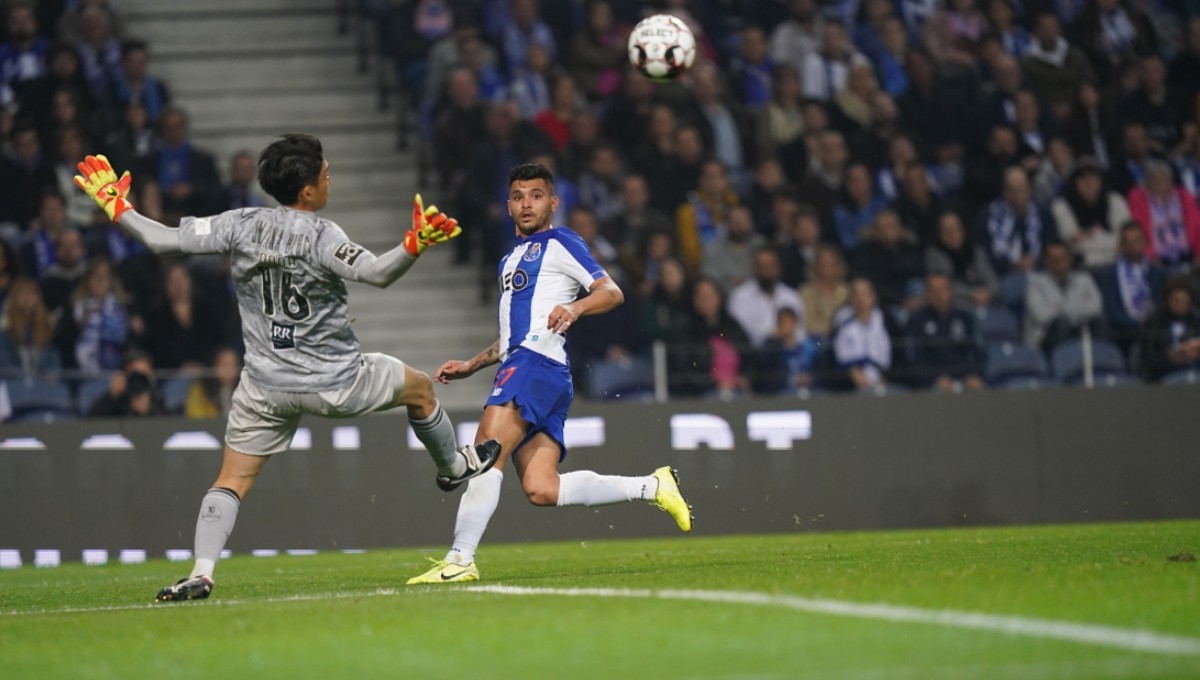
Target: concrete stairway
point(248, 70)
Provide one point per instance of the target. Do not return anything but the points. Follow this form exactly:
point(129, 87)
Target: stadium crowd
point(839, 195)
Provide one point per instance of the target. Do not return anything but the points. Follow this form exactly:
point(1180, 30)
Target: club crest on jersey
point(534, 252)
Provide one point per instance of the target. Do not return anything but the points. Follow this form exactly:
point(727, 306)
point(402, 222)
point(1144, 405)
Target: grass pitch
point(1043, 602)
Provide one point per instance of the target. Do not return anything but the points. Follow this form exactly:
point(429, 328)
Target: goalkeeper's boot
point(194, 588)
point(670, 499)
point(480, 458)
point(446, 572)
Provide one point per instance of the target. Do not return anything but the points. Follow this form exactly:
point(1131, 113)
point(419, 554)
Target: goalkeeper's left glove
point(100, 182)
point(430, 226)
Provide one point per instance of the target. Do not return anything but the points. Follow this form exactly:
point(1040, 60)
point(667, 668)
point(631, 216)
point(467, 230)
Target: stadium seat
point(1067, 360)
point(1009, 362)
point(37, 399)
point(1026, 383)
point(175, 392)
point(624, 379)
point(997, 324)
point(1187, 376)
point(89, 391)
point(1012, 292)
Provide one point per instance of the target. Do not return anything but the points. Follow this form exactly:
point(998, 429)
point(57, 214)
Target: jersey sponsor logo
point(515, 280)
point(534, 252)
point(348, 252)
point(283, 336)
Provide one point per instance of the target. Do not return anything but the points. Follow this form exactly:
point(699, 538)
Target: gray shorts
point(263, 421)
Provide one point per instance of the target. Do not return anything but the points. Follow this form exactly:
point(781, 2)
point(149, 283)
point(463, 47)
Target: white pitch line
point(1084, 633)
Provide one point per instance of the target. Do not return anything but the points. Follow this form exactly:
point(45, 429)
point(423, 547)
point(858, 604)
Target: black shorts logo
point(283, 336)
point(348, 253)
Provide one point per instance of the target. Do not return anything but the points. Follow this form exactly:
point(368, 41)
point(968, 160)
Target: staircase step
point(148, 10)
point(298, 71)
point(297, 108)
point(171, 35)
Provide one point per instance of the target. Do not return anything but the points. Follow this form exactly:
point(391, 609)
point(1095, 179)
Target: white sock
point(474, 510)
point(588, 488)
point(437, 434)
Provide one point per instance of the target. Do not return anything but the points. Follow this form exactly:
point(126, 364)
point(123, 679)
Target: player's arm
point(100, 181)
point(456, 370)
point(429, 227)
point(603, 295)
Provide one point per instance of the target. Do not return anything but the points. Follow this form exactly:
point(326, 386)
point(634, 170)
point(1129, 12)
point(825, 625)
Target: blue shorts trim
point(542, 390)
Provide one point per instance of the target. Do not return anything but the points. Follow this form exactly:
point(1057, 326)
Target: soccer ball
point(662, 47)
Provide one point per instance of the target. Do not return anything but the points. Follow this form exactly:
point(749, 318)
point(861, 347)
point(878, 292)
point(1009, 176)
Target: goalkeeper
point(290, 267)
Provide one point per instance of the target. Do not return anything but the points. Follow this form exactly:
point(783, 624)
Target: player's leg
point(413, 389)
point(504, 424)
point(537, 468)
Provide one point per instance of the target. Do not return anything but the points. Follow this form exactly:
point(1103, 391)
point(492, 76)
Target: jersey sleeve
point(337, 253)
point(209, 234)
point(579, 263)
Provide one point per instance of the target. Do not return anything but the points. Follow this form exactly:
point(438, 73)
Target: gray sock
point(218, 512)
point(437, 434)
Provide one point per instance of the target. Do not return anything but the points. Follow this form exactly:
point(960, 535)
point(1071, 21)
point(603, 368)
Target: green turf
point(349, 616)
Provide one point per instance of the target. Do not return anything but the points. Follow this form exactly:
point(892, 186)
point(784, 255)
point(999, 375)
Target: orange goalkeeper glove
point(430, 226)
point(100, 182)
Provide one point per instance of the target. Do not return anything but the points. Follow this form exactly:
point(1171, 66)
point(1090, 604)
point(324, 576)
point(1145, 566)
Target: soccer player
point(539, 282)
point(289, 268)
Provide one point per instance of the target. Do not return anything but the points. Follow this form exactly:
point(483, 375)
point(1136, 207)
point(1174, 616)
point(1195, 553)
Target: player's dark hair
point(530, 171)
point(288, 165)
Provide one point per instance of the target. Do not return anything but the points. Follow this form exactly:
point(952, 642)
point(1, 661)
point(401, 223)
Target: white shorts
point(263, 421)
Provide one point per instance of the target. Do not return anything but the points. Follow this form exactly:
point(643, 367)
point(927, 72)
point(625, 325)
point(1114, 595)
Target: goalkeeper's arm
point(158, 238)
point(384, 270)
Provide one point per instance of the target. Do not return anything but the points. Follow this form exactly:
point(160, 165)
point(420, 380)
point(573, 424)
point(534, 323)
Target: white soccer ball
point(662, 47)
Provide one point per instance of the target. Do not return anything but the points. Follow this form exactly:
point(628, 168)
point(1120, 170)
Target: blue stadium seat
point(38, 399)
point(175, 391)
point(1008, 362)
point(1067, 360)
point(89, 391)
point(623, 379)
point(998, 324)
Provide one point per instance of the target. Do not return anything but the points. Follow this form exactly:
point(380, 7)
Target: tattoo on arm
point(488, 356)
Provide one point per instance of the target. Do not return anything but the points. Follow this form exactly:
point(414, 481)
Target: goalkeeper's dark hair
point(527, 171)
point(288, 165)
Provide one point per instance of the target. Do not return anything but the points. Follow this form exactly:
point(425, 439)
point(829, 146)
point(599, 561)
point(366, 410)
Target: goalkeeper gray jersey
point(289, 267)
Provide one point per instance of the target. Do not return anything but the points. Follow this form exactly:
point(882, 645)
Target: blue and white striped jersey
point(546, 269)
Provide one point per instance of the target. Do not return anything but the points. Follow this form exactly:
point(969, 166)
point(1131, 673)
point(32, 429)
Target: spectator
point(858, 208)
point(598, 51)
point(785, 360)
point(1054, 68)
point(10, 269)
point(134, 82)
point(862, 346)
point(600, 185)
point(1170, 340)
point(954, 34)
point(890, 61)
point(183, 330)
point(755, 302)
point(752, 71)
point(705, 215)
point(1162, 109)
point(972, 278)
point(635, 218)
point(779, 124)
point(186, 175)
point(564, 188)
point(1128, 169)
point(708, 358)
point(37, 252)
point(868, 33)
point(23, 55)
point(94, 327)
point(769, 181)
point(822, 185)
point(1060, 300)
point(901, 152)
point(627, 115)
point(722, 124)
point(62, 276)
point(242, 189)
point(99, 54)
point(890, 258)
point(457, 127)
point(555, 122)
point(799, 35)
point(530, 86)
point(1184, 71)
point(132, 391)
point(1013, 227)
point(985, 173)
point(798, 244)
point(824, 293)
point(63, 71)
point(666, 309)
point(1091, 127)
point(935, 113)
point(1050, 178)
point(131, 144)
point(67, 112)
point(1130, 285)
point(1169, 216)
point(943, 344)
point(1000, 98)
point(70, 22)
point(524, 27)
point(730, 259)
point(917, 205)
point(212, 395)
point(1013, 36)
point(1031, 134)
point(26, 343)
point(1113, 35)
point(69, 152)
point(825, 71)
point(855, 101)
point(1087, 216)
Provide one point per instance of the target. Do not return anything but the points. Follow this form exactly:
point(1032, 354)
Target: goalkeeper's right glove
point(100, 182)
point(430, 226)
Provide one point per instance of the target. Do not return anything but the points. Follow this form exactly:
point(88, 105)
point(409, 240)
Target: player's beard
point(539, 223)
